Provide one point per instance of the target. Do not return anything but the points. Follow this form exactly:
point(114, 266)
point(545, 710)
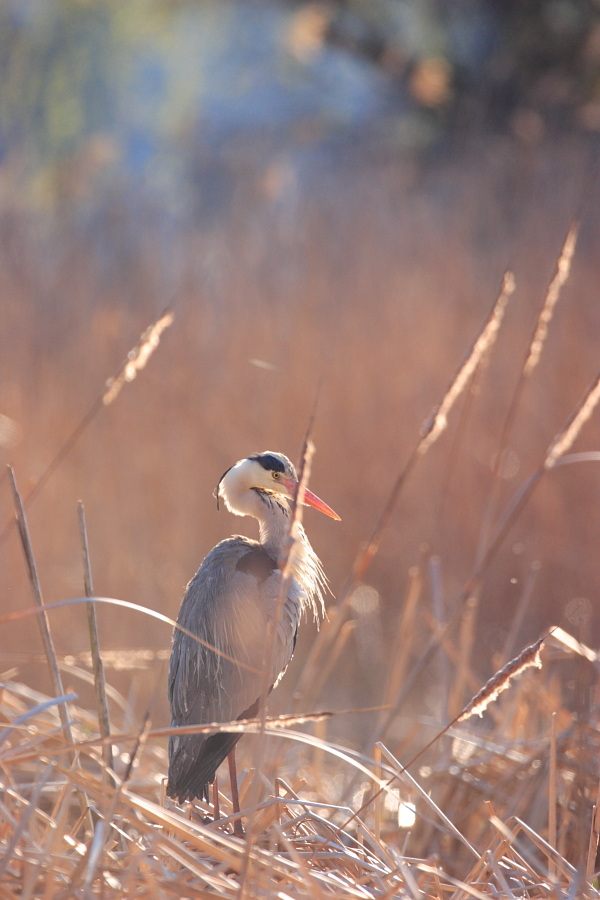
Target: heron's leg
point(238, 828)
point(216, 811)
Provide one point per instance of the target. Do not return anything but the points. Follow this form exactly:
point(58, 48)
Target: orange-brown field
point(373, 284)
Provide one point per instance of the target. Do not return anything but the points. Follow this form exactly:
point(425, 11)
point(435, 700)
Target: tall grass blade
point(286, 569)
point(552, 835)
point(565, 440)
point(480, 347)
point(36, 590)
point(98, 668)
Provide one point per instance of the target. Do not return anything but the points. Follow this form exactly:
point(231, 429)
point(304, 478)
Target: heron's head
point(267, 472)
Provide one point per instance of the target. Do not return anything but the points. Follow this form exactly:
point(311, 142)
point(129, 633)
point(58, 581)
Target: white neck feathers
point(243, 498)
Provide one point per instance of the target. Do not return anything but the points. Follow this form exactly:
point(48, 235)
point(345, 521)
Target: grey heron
point(228, 604)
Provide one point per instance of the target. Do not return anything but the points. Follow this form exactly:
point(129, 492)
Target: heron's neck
point(269, 510)
point(273, 523)
point(310, 581)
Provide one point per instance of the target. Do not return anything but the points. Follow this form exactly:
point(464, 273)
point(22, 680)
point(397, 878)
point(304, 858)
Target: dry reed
point(286, 566)
point(480, 348)
point(565, 440)
point(144, 849)
point(502, 679)
point(563, 269)
point(532, 358)
point(433, 428)
point(99, 680)
point(136, 360)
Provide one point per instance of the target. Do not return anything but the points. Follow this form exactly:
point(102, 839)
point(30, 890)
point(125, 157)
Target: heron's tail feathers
point(194, 762)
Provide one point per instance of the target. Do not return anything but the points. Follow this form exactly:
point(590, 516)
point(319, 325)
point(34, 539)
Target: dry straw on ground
point(139, 844)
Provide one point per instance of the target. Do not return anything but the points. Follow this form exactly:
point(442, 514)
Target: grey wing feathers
point(227, 604)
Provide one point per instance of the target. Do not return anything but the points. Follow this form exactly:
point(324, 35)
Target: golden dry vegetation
point(374, 280)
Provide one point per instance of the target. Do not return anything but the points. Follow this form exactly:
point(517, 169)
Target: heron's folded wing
point(228, 605)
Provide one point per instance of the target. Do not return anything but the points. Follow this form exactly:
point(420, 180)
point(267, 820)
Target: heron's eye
point(277, 475)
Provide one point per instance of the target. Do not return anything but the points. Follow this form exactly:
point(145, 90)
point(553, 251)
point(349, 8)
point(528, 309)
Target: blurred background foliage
point(325, 189)
point(152, 91)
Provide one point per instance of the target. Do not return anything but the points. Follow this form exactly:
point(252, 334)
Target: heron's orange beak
point(311, 499)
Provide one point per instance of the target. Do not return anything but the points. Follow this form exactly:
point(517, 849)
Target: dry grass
point(471, 822)
point(478, 811)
